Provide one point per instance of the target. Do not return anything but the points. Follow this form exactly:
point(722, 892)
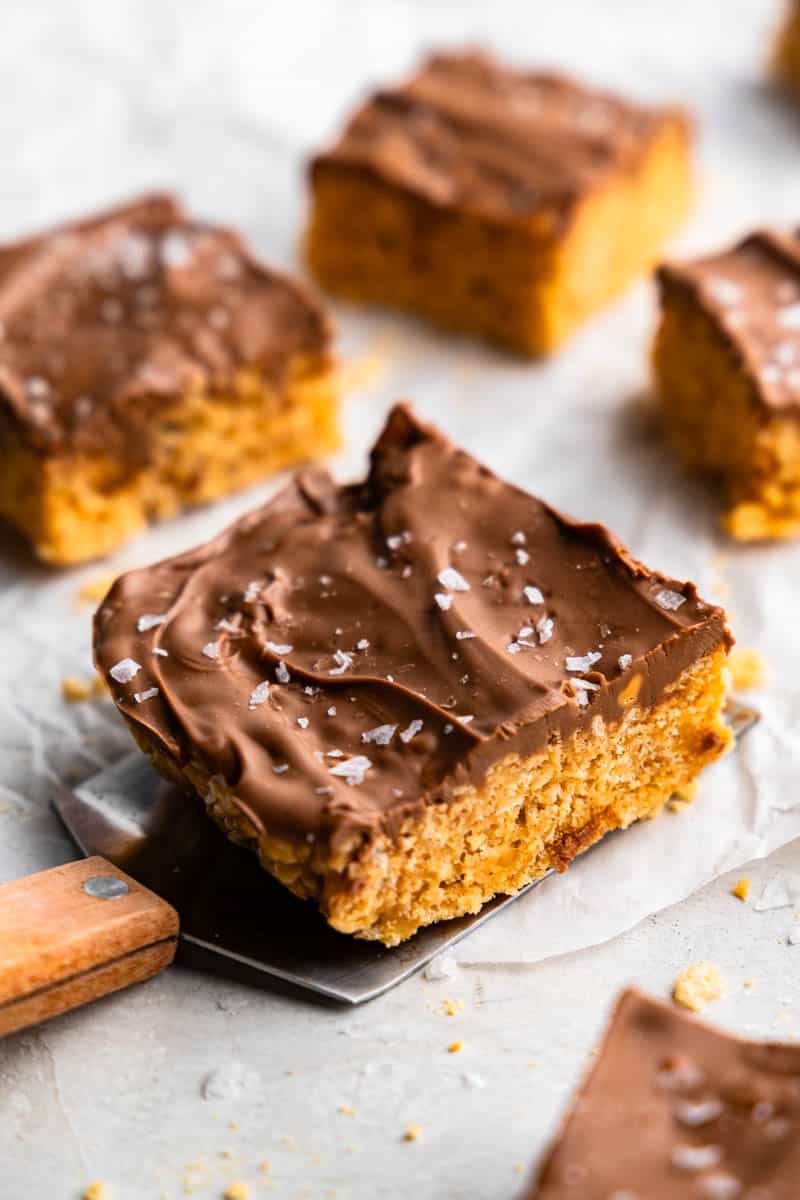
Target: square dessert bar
point(415, 692)
point(504, 203)
point(148, 363)
point(727, 370)
point(674, 1109)
point(786, 55)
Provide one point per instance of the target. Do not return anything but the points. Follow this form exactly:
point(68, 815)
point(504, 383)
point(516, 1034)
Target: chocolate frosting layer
point(673, 1108)
point(345, 655)
point(467, 132)
point(752, 293)
point(105, 322)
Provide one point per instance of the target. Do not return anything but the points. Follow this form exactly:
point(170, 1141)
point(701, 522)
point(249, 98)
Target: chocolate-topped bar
point(417, 691)
point(786, 52)
point(673, 1108)
point(727, 366)
point(502, 202)
point(148, 362)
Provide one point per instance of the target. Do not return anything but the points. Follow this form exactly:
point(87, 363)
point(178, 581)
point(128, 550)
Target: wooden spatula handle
point(74, 933)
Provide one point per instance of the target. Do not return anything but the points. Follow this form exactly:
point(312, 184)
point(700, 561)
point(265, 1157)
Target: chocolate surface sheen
point(344, 655)
point(674, 1109)
point(752, 292)
point(469, 133)
point(104, 322)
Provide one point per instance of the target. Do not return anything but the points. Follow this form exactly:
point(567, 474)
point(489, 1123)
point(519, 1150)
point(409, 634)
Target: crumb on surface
point(346, 1110)
point(454, 1047)
point(747, 668)
point(451, 1008)
point(741, 889)
point(748, 983)
point(698, 985)
point(265, 1166)
point(75, 690)
point(412, 1133)
point(676, 805)
point(236, 1191)
point(96, 1191)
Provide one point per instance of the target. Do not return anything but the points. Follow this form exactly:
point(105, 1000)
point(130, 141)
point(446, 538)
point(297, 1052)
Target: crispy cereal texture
point(77, 506)
point(529, 817)
point(524, 284)
point(716, 424)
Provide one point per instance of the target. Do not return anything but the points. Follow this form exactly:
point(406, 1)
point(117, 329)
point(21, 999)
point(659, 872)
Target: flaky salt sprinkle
point(411, 731)
point(332, 711)
point(695, 1158)
point(160, 651)
point(259, 695)
point(148, 694)
point(444, 601)
point(453, 580)
point(253, 590)
point(533, 595)
point(396, 540)
point(522, 557)
point(669, 600)
point(226, 626)
point(624, 661)
point(582, 662)
point(463, 635)
point(282, 672)
point(724, 291)
point(278, 649)
point(466, 720)
point(125, 670)
point(363, 644)
point(544, 629)
point(789, 318)
point(302, 722)
point(518, 538)
point(352, 770)
point(280, 768)
point(344, 662)
point(381, 735)
point(150, 621)
point(211, 650)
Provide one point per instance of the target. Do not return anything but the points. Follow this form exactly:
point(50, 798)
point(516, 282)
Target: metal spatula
point(232, 912)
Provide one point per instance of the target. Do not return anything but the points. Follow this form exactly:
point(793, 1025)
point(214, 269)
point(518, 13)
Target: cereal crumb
point(346, 1110)
point(741, 889)
point(265, 1167)
point(748, 983)
point(454, 1047)
point(677, 805)
point(96, 1191)
point(413, 1133)
point(451, 1008)
point(698, 985)
point(236, 1191)
point(74, 690)
point(232, 1126)
point(747, 668)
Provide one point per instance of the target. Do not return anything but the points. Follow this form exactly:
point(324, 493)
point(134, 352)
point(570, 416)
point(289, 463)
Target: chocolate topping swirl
point(343, 656)
point(106, 322)
point(469, 133)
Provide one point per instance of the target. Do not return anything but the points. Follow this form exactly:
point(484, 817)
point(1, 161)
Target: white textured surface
point(101, 99)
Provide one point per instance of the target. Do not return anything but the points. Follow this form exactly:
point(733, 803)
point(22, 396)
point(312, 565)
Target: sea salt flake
point(411, 732)
point(227, 626)
point(259, 694)
point(302, 722)
point(325, 790)
point(211, 650)
point(720, 1186)
point(444, 601)
point(362, 645)
point(785, 354)
point(724, 291)
point(124, 670)
point(352, 770)
point(149, 621)
point(544, 629)
point(253, 590)
point(789, 318)
point(522, 557)
point(472, 1079)
point(37, 387)
point(280, 768)
point(582, 662)
point(443, 966)
point(344, 662)
point(460, 547)
point(332, 711)
point(140, 697)
point(695, 1158)
point(624, 661)
point(533, 595)
point(160, 651)
point(464, 635)
point(407, 571)
point(453, 580)
point(396, 540)
point(176, 249)
point(694, 1113)
point(282, 672)
point(381, 735)
point(278, 649)
point(518, 538)
point(466, 720)
point(670, 600)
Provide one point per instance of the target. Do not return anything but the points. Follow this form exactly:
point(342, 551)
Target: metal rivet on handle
point(106, 887)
